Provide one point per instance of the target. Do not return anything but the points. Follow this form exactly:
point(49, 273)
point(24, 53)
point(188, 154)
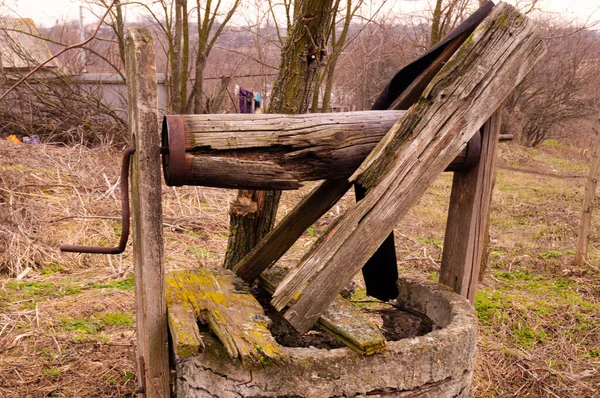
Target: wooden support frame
point(463, 95)
point(468, 216)
point(150, 299)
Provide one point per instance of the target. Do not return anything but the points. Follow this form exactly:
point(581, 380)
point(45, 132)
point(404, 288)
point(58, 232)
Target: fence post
point(589, 197)
point(146, 206)
point(468, 216)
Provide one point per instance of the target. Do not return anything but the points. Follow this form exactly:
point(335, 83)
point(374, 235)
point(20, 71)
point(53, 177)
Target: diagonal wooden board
point(462, 96)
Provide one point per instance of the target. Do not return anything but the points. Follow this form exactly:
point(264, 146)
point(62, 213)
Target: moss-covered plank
point(220, 299)
point(341, 319)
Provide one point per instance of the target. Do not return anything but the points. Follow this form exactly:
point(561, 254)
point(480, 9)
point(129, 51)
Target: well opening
point(436, 361)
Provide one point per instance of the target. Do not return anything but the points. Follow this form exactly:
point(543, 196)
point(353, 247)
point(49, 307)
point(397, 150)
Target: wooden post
point(588, 204)
point(468, 216)
point(146, 206)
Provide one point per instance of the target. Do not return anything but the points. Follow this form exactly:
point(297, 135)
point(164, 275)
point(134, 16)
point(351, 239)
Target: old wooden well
point(437, 364)
point(220, 342)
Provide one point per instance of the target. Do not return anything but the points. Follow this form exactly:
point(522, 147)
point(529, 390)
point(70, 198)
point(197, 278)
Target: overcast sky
point(47, 12)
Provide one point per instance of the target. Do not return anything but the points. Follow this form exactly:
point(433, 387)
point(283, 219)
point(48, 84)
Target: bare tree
point(561, 89)
point(206, 41)
point(302, 58)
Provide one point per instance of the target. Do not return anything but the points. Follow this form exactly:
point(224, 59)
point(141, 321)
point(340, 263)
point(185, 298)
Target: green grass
point(200, 253)
point(81, 326)
point(535, 308)
point(52, 372)
point(437, 242)
point(117, 319)
point(121, 284)
point(19, 291)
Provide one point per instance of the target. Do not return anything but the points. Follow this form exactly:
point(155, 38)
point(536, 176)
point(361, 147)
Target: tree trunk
point(301, 60)
point(199, 104)
point(436, 24)
point(120, 29)
point(176, 61)
point(185, 57)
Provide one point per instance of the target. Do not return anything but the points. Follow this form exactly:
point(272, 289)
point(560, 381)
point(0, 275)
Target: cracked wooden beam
point(462, 96)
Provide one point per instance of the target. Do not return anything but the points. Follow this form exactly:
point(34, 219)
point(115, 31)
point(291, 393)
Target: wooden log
point(462, 96)
point(468, 217)
point(341, 319)
point(219, 298)
point(277, 151)
point(146, 209)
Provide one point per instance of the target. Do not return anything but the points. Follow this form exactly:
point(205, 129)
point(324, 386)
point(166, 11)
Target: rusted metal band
point(173, 160)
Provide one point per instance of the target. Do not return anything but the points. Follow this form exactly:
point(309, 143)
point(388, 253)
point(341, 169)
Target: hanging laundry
point(246, 98)
point(257, 102)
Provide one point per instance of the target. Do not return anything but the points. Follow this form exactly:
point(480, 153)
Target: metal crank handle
point(124, 217)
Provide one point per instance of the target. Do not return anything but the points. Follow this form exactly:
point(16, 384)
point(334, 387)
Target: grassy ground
point(67, 326)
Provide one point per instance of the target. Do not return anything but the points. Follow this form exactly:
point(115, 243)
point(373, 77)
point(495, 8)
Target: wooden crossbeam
point(462, 96)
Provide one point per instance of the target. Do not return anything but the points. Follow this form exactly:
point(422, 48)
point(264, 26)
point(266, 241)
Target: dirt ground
point(67, 325)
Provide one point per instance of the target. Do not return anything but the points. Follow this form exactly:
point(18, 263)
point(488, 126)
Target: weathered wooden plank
point(279, 151)
point(146, 209)
point(183, 328)
point(412, 93)
point(468, 216)
point(220, 299)
point(589, 198)
point(282, 237)
point(341, 319)
point(466, 92)
point(380, 273)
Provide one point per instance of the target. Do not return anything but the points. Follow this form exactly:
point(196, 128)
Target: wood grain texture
point(282, 237)
point(281, 151)
point(341, 320)
point(468, 216)
point(462, 96)
point(219, 298)
point(146, 209)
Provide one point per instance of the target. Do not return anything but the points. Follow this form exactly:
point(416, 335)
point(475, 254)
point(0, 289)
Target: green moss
point(52, 268)
point(552, 144)
point(39, 290)
point(526, 337)
point(490, 306)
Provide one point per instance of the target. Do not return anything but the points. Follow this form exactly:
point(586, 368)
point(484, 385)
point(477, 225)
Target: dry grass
point(67, 325)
